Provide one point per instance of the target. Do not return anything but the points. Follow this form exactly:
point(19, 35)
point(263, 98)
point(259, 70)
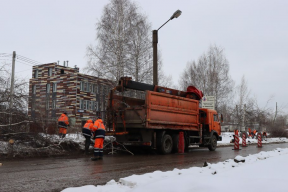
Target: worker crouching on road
point(86, 131)
point(99, 135)
point(63, 124)
point(254, 134)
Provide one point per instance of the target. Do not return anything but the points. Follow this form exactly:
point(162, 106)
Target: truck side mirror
point(221, 118)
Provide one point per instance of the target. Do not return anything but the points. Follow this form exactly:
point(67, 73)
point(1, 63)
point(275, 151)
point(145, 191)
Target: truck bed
point(157, 111)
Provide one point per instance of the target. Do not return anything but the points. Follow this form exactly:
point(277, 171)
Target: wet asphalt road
point(56, 174)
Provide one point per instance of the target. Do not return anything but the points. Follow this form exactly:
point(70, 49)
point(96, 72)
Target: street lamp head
point(176, 14)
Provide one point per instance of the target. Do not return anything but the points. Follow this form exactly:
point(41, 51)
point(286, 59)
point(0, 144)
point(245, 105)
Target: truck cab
point(210, 123)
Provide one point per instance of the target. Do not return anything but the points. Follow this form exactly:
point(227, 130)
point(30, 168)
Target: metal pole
point(155, 64)
point(163, 24)
point(243, 118)
point(12, 87)
point(238, 122)
point(275, 114)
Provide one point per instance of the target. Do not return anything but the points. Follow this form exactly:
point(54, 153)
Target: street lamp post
point(155, 42)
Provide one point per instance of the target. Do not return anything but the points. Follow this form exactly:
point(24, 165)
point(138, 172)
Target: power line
point(25, 63)
point(22, 58)
point(7, 54)
point(31, 60)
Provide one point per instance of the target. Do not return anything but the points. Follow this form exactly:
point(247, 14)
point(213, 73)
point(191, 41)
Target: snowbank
point(265, 172)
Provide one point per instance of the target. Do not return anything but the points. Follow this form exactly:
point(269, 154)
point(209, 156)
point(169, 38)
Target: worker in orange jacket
point(99, 135)
point(254, 133)
point(250, 132)
point(87, 133)
point(63, 124)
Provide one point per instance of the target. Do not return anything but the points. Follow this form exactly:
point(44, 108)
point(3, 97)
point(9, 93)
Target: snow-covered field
point(265, 172)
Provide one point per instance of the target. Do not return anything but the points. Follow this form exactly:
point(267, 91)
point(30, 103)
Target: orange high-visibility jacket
point(63, 121)
point(254, 132)
point(99, 129)
point(86, 130)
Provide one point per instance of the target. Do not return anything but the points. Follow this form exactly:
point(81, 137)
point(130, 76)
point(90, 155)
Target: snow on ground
point(265, 172)
point(78, 138)
point(227, 136)
point(21, 146)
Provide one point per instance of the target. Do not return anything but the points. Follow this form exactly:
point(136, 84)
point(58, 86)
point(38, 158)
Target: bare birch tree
point(20, 98)
point(124, 45)
point(139, 64)
point(20, 89)
point(163, 79)
point(108, 57)
point(211, 75)
point(245, 104)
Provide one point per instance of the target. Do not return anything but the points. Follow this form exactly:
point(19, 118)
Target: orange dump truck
point(140, 114)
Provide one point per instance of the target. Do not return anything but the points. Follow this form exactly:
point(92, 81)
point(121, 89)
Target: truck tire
point(213, 143)
point(166, 144)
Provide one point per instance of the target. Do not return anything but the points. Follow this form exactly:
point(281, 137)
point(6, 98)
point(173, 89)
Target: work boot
point(94, 158)
point(100, 158)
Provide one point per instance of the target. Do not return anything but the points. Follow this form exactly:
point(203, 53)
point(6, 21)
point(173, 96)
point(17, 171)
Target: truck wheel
point(166, 144)
point(213, 143)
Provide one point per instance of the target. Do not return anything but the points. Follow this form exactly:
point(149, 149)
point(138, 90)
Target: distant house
point(54, 89)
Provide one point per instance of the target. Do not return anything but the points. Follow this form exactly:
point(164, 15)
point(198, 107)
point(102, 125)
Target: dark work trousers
point(87, 143)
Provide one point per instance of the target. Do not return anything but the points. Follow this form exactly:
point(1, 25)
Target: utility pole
point(12, 87)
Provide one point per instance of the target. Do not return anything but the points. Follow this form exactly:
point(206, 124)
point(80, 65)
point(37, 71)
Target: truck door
point(216, 123)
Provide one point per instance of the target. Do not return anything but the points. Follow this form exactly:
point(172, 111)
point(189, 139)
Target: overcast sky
point(254, 35)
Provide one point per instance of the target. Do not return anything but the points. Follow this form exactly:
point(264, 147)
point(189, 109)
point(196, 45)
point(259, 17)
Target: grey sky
point(253, 34)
